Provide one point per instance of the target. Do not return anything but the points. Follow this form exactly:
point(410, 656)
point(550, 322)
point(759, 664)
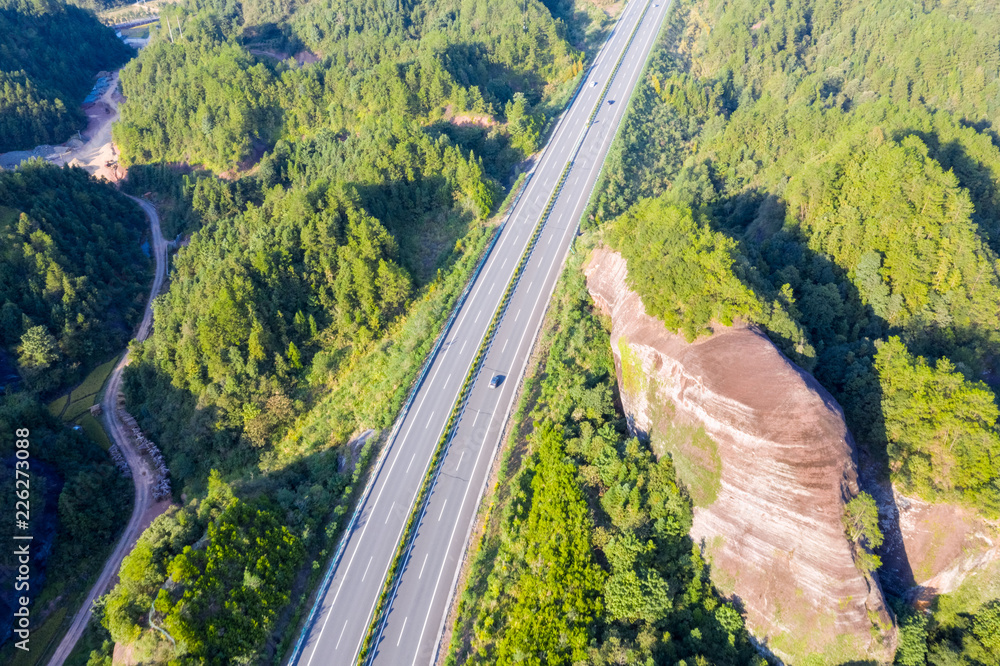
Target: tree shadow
point(979, 178)
point(492, 146)
point(181, 426)
point(420, 216)
point(471, 65)
point(576, 20)
point(841, 327)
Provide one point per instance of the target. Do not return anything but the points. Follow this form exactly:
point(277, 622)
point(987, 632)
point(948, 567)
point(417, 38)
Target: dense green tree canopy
point(682, 270)
point(941, 428)
point(200, 98)
point(49, 54)
point(901, 226)
point(213, 104)
point(72, 272)
point(542, 627)
point(230, 593)
point(690, 276)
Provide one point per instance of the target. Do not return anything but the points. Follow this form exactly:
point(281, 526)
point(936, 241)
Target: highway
point(412, 628)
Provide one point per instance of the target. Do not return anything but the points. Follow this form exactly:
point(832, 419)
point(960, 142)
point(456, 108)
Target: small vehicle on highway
point(611, 101)
point(496, 381)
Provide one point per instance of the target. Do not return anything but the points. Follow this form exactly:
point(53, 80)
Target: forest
point(209, 98)
point(49, 55)
point(73, 280)
point(829, 171)
point(230, 566)
point(72, 272)
point(330, 211)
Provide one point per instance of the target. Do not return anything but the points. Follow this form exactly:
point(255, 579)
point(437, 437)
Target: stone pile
point(161, 482)
point(119, 460)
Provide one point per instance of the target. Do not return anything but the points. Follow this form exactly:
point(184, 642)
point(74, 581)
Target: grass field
point(41, 640)
point(94, 382)
point(77, 402)
point(94, 430)
point(78, 408)
point(58, 406)
point(140, 32)
point(74, 407)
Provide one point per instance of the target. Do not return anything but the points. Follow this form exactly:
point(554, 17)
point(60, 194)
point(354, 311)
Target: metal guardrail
point(406, 543)
point(404, 410)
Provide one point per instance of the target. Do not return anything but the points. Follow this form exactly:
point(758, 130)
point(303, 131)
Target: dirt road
point(141, 474)
point(94, 152)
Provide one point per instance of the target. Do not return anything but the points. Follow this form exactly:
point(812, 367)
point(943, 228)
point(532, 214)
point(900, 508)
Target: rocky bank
point(769, 464)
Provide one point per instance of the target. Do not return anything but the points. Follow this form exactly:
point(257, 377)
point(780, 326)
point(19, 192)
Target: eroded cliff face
point(769, 463)
point(932, 548)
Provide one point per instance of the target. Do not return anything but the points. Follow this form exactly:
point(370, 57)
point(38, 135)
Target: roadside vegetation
point(49, 54)
point(585, 555)
point(828, 170)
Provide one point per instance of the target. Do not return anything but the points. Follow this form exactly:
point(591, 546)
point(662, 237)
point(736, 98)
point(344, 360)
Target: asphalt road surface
point(141, 475)
point(411, 631)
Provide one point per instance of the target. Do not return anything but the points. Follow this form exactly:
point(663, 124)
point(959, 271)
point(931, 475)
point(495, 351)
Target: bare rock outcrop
point(769, 464)
point(933, 548)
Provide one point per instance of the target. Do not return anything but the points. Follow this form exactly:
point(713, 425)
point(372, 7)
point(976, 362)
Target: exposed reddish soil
point(473, 119)
point(95, 153)
point(152, 513)
point(477, 119)
point(302, 58)
point(306, 58)
point(123, 655)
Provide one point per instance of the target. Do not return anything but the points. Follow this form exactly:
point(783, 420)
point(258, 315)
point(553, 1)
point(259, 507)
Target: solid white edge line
point(482, 490)
point(553, 140)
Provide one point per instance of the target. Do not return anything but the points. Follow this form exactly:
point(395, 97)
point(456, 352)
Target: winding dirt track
point(141, 474)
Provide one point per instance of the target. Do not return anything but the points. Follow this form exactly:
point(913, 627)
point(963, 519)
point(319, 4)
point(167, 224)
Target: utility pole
point(179, 27)
point(170, 32)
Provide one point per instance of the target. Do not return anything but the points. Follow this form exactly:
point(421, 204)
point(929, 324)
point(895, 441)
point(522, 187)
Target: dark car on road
point(496, 381)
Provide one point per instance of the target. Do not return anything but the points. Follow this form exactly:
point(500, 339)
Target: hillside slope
point(49, 54)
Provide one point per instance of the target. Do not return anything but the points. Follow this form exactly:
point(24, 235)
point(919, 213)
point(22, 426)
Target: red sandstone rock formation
point(769, 464)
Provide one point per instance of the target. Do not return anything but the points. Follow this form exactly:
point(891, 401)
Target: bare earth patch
point(935, 547)
point(92, 150)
